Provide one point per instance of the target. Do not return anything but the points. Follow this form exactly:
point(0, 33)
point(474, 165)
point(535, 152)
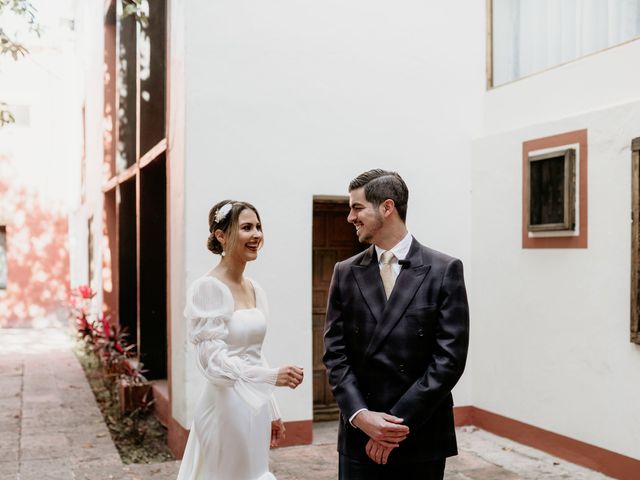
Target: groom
point(396, 338)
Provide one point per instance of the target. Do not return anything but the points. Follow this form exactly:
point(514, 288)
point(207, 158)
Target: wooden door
point(334, 239)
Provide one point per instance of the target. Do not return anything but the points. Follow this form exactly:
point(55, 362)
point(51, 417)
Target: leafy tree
point(10, 46)
point(137, 8)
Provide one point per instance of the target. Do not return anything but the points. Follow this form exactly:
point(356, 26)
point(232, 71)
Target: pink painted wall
point(37, 255)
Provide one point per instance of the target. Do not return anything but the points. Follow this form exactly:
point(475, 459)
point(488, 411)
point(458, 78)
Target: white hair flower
point(222, 212)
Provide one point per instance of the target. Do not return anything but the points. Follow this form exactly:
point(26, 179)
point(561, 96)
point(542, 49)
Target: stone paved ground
point(51, 429)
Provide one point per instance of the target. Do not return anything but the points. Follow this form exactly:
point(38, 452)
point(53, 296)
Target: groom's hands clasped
point(385, 433)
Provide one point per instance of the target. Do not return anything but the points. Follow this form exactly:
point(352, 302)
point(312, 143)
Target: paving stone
point(10, 424)
point(9, 447)
point(448, 475)
point(159, 471)
point(107, 462)
point(492, 472)
point(11, 403)
point(10, 386)
point(43, 422)
point(9, 470)
point(56, 469)
point(318, 462)
point(466, 461)
point(44, 446)
point(91, 446)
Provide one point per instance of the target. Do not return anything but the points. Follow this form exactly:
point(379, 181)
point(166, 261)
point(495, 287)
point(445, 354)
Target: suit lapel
point(405, 288)
point(367, 275)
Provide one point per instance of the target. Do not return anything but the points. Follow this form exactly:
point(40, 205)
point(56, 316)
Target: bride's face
point(248, 237)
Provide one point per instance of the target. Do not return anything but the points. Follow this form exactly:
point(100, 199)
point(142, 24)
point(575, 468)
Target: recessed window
point(554, 191)
point(3, 257)
point(529, 36)
point(552, 181)
point(635, 241)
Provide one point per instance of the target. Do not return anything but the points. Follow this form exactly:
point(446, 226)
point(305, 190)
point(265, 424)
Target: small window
point(3, 257)
point(552, 181)
point(554, 191)
point(635, 241)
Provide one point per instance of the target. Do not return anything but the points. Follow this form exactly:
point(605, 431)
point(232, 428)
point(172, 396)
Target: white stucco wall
point(90, 50)
point(590, 83)
point(551, 333)
point(286, 100)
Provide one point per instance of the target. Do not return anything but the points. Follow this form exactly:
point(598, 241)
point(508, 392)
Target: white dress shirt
point(400, 250)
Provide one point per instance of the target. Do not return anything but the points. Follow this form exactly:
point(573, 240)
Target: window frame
point(4, 279)
point(577, 238)
point(569, 187)
point(634, 336)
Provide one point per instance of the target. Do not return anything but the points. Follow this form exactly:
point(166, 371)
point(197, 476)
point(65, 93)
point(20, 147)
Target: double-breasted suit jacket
point(402, 355)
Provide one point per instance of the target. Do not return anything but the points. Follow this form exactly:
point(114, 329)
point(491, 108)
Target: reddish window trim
point(579, 241)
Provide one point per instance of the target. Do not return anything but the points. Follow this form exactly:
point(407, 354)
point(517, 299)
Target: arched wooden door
point(334, 239)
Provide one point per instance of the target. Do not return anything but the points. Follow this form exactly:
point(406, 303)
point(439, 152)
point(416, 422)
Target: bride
point(236, 418)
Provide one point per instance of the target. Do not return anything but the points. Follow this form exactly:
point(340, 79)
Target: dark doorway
point(334, 239)
point(153, 269)
point(127, 261)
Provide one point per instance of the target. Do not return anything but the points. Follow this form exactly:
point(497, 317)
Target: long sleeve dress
point(231, 431)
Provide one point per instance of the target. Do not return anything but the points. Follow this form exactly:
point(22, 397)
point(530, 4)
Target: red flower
point(85, 291)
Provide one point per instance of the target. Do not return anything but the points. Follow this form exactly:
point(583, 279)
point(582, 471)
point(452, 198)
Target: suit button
point(357, 330)
point(367, 395)
point(401, 368)
point(420, 333)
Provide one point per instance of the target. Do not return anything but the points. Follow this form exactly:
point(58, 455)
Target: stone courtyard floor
point(51, 428)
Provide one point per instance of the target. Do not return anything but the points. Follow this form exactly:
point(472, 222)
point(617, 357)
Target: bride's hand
point(277, 432)
point(289, 376)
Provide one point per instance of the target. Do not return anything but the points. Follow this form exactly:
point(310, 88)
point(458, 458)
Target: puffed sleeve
point(273, 405)
point(209, 307)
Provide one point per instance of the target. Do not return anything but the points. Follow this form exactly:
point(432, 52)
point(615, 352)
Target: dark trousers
point(352, 469)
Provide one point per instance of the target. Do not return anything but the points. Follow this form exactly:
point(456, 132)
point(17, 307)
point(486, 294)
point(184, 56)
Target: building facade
point(40, 157)
point(282, 104)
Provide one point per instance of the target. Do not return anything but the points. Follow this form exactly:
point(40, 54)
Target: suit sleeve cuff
point(354, 416)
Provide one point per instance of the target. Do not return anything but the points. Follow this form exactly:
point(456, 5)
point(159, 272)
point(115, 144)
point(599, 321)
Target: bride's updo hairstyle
point(224, 216)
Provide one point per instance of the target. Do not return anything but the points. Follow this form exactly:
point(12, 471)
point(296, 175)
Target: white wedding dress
point(231, 431)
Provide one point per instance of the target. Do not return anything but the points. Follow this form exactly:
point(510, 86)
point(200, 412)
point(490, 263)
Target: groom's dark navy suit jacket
point(400, 356)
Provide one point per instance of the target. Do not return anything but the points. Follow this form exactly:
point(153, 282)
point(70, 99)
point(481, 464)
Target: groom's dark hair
point(381, 184)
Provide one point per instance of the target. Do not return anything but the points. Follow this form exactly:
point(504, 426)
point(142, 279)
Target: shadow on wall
point(37, 257)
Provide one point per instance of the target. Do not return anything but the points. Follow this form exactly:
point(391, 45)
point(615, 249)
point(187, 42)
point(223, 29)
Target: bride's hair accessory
point(222, 212)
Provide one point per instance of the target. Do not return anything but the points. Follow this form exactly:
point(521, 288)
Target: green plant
point(108, 344)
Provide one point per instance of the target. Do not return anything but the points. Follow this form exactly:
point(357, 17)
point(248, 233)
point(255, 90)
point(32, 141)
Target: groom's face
point(367, 218)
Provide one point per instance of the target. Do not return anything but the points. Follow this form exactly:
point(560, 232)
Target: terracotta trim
point(110, 185)
point(129, 173)
point(177, 438)
point(463, 416)
point(155, 151)
point(580, 241)
point(298, 433)
point(596, 458)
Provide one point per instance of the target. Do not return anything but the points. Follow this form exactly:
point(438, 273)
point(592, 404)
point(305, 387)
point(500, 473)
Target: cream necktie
point(386, 272)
